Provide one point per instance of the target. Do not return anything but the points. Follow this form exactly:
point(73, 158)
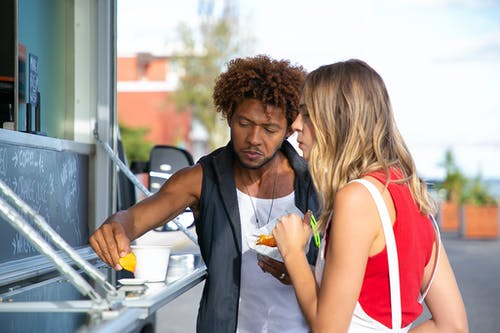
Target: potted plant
point(479, 213)
point(451, 188)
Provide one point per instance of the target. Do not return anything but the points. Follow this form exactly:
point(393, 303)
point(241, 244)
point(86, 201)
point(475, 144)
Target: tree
point(202, 60)
point(476, 192)
point(454, 180)
point(136, 147)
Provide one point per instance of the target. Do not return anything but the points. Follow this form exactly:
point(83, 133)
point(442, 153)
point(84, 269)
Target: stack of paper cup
point(152, 262)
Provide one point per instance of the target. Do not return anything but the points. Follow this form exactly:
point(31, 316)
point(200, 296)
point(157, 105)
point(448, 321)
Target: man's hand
point(110, 242)
point(275, 268)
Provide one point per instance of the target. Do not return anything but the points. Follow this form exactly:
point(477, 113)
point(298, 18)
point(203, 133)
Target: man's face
point(257, 132)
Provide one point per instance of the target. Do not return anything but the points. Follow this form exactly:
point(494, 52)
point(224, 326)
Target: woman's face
point(305, 132)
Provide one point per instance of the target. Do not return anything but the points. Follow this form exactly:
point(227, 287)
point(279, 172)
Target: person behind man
point(257, 177)
point(380, 254)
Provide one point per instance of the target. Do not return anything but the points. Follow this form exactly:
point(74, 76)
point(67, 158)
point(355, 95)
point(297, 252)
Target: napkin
point(271, 252)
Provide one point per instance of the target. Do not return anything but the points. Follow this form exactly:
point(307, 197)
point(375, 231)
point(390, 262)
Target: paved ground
point(477, 268)
point(476, 264)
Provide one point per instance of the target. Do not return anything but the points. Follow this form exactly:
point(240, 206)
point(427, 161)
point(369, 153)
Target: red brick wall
point(127, 69)
point(150, 109)
point(153, 110)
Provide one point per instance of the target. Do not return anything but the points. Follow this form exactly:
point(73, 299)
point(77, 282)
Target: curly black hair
point(273, 82)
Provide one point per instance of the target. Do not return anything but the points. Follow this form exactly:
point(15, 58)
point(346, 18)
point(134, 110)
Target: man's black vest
point(219, 234)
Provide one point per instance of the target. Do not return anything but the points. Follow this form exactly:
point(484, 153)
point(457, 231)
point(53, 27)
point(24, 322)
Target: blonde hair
point(356, 133)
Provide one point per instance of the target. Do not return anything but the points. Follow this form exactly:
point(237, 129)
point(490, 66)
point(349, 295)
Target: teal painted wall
point(43, 30)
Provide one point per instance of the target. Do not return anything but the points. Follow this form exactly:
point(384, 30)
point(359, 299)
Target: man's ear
point(289, 132)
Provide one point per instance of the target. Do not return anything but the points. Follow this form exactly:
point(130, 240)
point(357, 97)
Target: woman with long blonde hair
point(380, 256)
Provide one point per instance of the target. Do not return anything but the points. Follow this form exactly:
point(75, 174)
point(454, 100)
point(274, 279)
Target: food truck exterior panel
point(58, 179)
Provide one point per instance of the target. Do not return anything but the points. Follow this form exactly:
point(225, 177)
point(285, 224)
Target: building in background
point(144, 85)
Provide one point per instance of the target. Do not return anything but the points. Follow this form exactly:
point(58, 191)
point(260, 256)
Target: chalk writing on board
point(28, 159)
point(69, 181)
point(21, 245)
point(3, 163)
point(55, 185)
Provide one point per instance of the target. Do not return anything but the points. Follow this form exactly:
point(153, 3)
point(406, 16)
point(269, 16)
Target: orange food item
point(267, 240)
point(128, 262)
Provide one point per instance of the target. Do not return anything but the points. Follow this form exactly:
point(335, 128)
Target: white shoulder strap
point(392, 253)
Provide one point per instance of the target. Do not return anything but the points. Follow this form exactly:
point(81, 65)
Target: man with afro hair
point(233, 191)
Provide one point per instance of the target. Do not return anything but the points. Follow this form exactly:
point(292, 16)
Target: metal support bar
point(176, 288)
point(13, 217)
point(123, 321)
point(58, 240)
point(58, 306)
point(137, 183)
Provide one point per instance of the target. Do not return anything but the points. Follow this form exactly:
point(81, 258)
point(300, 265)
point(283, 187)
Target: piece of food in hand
point(267, 240)
point(128, 262)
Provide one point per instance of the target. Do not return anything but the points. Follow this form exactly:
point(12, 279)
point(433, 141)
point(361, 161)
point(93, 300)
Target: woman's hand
point(292, 234)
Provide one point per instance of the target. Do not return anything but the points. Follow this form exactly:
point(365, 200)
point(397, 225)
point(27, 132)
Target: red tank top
point(414, 242)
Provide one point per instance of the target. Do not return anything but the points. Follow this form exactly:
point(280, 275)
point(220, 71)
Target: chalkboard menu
point(55, 184)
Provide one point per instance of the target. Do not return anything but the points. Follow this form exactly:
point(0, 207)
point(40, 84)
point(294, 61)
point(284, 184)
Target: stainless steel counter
point(55, 305)
point(65, 288)
point(143, 301)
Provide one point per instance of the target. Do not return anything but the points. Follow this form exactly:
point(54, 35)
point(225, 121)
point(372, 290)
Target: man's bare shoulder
point(184, 184)
point(189, 181)
point(189, 176)
point(192, 170)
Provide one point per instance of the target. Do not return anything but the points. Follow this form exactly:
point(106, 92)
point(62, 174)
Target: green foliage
point(202, 60)
point(454, 180)
point(136, 147)
point(477, 193)
point(461, 189)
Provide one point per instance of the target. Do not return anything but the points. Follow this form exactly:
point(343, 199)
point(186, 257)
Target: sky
point(440, 60)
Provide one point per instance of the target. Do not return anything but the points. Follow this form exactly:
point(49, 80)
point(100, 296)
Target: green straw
point(317, 239)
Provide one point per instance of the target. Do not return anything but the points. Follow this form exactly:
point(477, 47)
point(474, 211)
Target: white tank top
point(265, 304)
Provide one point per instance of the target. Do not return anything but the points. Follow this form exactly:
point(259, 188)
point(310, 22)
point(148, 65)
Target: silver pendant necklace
point(272, 200)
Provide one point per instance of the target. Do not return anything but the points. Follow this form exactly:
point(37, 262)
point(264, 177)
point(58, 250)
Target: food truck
point(62, 174)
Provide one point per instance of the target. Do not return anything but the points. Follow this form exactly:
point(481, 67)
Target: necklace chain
point(272, 199)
